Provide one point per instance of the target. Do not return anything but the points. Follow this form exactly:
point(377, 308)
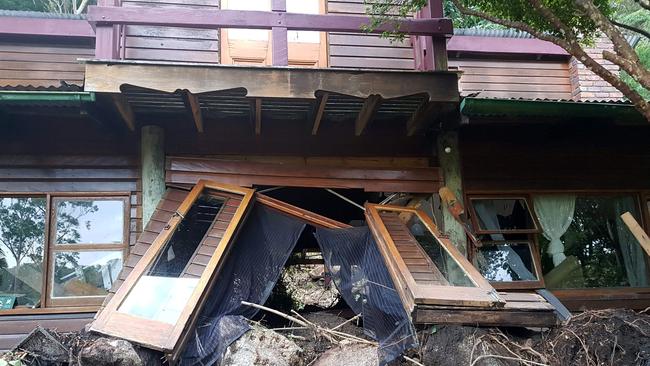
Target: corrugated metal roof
point(481, 32)
point(61, 88)
point(39, 14)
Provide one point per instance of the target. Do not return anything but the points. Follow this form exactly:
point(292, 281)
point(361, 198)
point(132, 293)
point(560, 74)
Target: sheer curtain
point(555, 214)
point(631, 251)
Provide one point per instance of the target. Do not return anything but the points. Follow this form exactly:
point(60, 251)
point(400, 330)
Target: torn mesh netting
point(360, 274)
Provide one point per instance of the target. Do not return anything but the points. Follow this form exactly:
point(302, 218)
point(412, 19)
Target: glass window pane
point(164, 289)
point(502, 214)
point(506, 262)
point(451, 271)
point(85, 273)
point(89, 221)
point(22, 239)
point(600, 250)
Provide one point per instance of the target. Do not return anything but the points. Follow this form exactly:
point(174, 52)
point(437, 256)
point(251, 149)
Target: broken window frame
point(519, 284)
point(529, 207)
point(412, 294)
point(158, 335)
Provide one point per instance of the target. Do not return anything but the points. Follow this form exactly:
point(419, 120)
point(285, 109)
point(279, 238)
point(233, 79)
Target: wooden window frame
point(579, 299)
point(170, 338)
point(54, 248)
point(47, 307)
point(527, 200)
point(521, 284)
point(483, 295)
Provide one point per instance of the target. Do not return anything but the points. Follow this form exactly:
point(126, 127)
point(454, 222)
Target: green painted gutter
point(45, 97)
point(558, 110)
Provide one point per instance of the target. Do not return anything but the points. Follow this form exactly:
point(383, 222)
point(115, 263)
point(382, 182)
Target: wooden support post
point(279, 40)
point(152, 155)
point(124, 108)
point(258, 116)
point(370, 106)
point(638, 232)
point(450, 165)
point(192, 103)
point(321, 102)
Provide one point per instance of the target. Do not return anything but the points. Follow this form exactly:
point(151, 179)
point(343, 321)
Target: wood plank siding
point(41, 63)
point(303, 173)
point(520, 78)
point(171, 43)
point(365, 51)
point(562, 157)
point(14, 328)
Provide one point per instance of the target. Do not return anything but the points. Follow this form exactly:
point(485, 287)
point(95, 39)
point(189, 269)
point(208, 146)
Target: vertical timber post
point(439, 44)
point(450, 164)
point(152, 155)
point(279, 40)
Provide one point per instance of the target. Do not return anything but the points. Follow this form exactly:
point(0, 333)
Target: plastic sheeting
point(360, 274)
point(254, 264)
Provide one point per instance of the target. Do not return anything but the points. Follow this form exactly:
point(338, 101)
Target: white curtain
point(632, 253)
point(555, 214)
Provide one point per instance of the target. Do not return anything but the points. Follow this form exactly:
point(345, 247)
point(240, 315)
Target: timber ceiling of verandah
point(412, 101)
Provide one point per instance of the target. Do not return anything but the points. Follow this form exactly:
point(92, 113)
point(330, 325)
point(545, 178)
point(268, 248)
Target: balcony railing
point(428, 30)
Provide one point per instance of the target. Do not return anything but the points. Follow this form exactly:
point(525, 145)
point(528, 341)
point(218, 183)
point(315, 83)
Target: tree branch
point(631, 28)
point(643, 4)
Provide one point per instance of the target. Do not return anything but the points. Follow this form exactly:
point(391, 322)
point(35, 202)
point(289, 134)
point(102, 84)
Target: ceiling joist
point(368, 110)
point(124, 108)
point(192, 103)
point(257, 112)
point(321, 102)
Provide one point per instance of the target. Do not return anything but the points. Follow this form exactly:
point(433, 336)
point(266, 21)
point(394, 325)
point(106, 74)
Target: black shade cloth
point(249, 272)
point(360, 274)
point(253, 266)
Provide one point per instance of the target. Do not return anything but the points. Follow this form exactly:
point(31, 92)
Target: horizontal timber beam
point(268, 82)
point(215, 19)
point(72, 28)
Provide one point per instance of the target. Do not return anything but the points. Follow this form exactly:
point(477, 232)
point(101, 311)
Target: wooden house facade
point(107, 119)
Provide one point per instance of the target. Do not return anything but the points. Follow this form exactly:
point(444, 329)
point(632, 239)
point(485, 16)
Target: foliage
point(629, 12)
point(570, 24)
point(53, 6)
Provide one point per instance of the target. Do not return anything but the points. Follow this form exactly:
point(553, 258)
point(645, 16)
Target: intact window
point(83, 239)
point(585, 244)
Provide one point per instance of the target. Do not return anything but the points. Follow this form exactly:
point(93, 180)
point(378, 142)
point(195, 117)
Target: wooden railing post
point(430, 52)
point(279, 41)
point(106, 37)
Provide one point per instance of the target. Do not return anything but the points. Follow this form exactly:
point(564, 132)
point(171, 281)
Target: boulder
point(308, 286)
point(261, 346)
point(349, 354)
point(110, 352)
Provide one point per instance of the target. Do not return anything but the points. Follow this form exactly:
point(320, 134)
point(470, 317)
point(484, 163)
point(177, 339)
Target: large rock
point(307, 286)
point(110, 352)
point(349, 354)
point(261, 346)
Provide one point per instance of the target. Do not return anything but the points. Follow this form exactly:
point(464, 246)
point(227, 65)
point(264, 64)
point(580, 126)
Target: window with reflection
point(22, 245)
point(585, 244)
point(506, 261)
point(87, 248)
point(84, 249)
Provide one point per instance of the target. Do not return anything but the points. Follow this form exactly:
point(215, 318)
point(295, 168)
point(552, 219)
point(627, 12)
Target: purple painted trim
point(46, 27)
point(214, 19)
point(279, 46)
point(475, 44)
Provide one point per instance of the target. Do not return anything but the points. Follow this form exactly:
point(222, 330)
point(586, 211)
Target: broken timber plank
point(638, 232)
point(496, 318)
point(420, 117)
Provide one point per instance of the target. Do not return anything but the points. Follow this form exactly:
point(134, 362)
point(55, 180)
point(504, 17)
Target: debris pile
point(309, 285)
